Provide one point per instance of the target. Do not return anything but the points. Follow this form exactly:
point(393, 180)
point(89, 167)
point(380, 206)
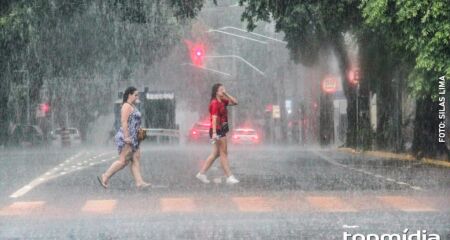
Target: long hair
point(128, 91)
point(214, 90)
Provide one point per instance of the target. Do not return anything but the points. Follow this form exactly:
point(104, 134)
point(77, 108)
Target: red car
point(199, 132)
point(245, 136)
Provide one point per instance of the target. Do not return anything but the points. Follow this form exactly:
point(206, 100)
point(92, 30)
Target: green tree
point(421, 31)
point(80, 48)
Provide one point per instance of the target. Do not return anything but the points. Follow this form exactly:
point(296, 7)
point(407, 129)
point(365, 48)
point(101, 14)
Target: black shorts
point(219, 133)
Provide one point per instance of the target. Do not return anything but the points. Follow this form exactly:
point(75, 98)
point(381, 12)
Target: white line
point(350, 226)
point(326, 158)
point(41, 179)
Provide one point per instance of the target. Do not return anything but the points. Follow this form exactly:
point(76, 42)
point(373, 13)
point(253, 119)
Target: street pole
point(357, 116)
point(28, 93)
point(241, 59)
point(252, 33)
point(234, 72)
point(28, 98)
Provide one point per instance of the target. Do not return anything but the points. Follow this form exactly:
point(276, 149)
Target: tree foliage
point(418, 29)
point(80, 49)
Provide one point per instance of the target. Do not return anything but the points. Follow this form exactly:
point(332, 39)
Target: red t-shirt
point(218, 108)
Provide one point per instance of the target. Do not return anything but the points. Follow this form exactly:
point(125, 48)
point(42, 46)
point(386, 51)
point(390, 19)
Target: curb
point(397, 156)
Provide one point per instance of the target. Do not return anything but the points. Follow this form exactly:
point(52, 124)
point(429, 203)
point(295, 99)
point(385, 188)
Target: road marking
point(22, 208)
point(252, 204)
point(329, 160)
point(350, 226)
point(53, 173)
point(330, 204)
point(248, 204)
point(177, 204)
point(406, 204)
point(99, 206)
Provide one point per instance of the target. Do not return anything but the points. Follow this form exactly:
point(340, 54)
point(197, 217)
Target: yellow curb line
point(436, 162)
point(397, 156)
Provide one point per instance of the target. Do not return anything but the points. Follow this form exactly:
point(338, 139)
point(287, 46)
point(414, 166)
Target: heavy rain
point(224, 119)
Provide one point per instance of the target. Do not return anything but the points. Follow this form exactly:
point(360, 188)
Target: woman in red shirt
point(220, 99)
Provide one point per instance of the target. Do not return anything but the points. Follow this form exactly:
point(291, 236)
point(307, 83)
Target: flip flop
point(99, 178)
point(144, 186)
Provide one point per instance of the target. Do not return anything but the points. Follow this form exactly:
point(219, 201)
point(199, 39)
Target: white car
point(74, 136)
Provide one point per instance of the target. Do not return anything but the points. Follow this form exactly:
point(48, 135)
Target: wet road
point(285, 193)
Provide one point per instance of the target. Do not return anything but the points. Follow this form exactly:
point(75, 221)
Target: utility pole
point(28, 92)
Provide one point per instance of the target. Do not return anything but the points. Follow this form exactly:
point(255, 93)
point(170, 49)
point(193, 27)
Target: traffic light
point(196, 52)
point(45, 108)
point(354, 75)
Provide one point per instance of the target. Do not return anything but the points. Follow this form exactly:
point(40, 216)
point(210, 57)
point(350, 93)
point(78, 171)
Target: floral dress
point(134, 122)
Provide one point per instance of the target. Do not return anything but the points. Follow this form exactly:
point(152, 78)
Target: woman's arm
point(125, 114)
point(233, 100)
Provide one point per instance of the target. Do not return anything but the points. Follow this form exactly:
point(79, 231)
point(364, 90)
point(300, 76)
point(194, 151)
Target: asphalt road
point(284, 193)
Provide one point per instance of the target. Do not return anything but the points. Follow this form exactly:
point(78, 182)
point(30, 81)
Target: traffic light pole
point(239, 58)
point(28, 94)
point(252, 33)
point(236, 35)
point(207, 69)
point(357, 116)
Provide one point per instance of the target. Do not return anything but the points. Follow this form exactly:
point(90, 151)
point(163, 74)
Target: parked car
point(26, 135)
point(199, 133)
point(245, 136)
point(74, 136)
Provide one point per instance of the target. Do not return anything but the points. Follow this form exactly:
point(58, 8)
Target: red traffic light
point(354, 75)
point(197, 52)
point(45, 107)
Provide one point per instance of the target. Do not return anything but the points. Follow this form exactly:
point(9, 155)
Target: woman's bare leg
point(117, 165)
point(223, 151)
point(211, 158)
point(136, 169)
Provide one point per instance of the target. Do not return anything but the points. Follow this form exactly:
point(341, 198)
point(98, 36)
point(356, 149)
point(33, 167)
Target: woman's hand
point(214, 136)
point(127, 140)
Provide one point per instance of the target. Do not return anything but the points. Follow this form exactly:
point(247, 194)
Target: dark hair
point(214, 90)
point(128, 91)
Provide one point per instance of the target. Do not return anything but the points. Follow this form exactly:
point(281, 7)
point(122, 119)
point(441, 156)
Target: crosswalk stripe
point(365, 203)
point(329, 204)
point(99, 206)
point(177, 205)
point(406, 204)
point(252, 204)
point(22, 208)
point(294, 204)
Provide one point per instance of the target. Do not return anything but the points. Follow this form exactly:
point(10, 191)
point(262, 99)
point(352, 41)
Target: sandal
point(99, 178)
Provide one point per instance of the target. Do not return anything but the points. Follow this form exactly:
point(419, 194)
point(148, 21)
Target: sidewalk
point(396, 156)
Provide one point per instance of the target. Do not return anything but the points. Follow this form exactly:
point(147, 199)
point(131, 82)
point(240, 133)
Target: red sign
point(329, 84)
